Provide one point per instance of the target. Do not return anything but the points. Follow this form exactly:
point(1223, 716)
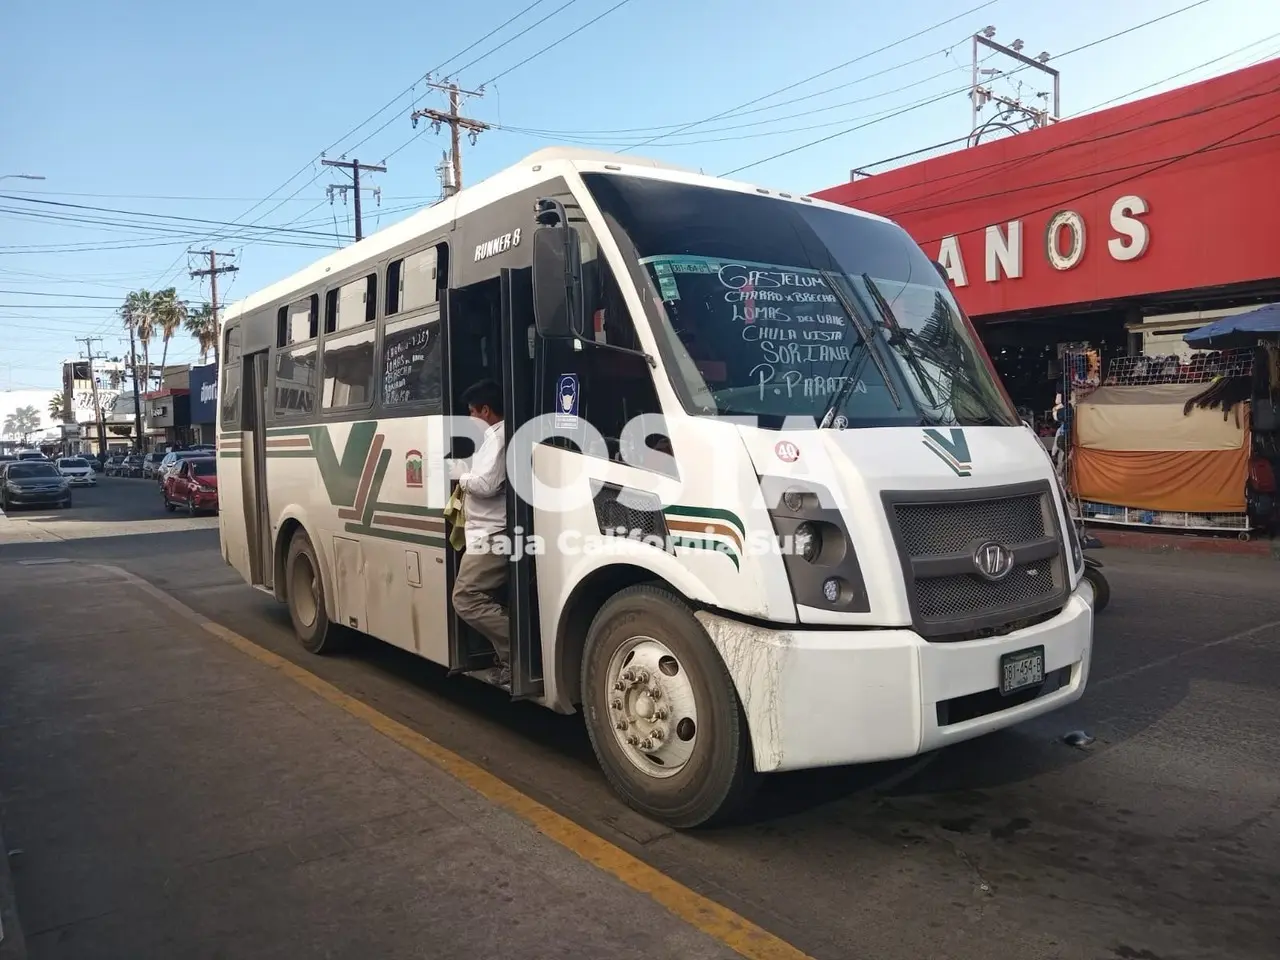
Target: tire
point(191, 506)
point(307, 610)
point(168, 505)
point(1101, 588)
point(717, 776)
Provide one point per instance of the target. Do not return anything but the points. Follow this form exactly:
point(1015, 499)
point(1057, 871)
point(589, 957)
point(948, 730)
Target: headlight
point(820, 559)
point(1072, 532)
point(807, 542)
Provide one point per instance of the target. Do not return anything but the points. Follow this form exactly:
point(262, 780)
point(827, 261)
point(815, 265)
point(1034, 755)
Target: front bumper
point(88, 480)
point(825, 698)
point(38, 498)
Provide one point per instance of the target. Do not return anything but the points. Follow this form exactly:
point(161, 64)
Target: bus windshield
point(775, 309)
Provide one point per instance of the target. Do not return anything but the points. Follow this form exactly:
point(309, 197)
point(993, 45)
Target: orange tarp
point(1195, 481)
point(1135, 447)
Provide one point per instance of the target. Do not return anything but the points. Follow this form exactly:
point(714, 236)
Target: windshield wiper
point(867, 336)
point(898, 337)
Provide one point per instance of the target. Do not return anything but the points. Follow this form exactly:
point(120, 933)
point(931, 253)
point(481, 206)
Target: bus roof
point(534, 169)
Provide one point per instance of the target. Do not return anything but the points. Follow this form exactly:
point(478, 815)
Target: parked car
point(113, 465)
point(94, 460)
point(168, 463)
point(78, 470)
point(30, 483)
point(132, 466)
point(31, 455)
point(150, 463)
point(193, 483)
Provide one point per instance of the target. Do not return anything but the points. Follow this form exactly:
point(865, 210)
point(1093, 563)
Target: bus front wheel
point(662, 712)
point(306, 597)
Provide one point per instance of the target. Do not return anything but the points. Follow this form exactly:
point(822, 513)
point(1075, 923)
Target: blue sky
point(127, 105)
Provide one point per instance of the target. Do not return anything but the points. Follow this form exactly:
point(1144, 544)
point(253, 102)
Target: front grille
point(937, 534)
point(949, 598)
point(935, 528)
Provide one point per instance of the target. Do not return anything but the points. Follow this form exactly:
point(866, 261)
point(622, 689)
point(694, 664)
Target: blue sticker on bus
point(567, 401)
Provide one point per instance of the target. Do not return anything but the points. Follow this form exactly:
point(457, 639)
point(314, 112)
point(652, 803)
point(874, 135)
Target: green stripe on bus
point(289, 453)
point(704, 512)
point(409, 509)
point(381, 534)
point(379, 474)
point(291, 431)
point(715, 546)
point(229, 454)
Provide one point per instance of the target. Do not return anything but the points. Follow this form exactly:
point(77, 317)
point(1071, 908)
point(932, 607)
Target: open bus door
point(522, 376)
point(253, 466)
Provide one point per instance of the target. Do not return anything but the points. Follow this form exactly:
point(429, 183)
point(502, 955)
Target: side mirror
point(557, 281)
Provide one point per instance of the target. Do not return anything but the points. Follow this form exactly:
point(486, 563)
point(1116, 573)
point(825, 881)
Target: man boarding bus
point(767, 504)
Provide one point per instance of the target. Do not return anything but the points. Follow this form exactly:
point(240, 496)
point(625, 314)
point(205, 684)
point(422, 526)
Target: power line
point(1057, 181)
point(823, 73)
point(73, 296)
point(1003, 164)
point(1079, 113)
point(1199, 151)
point(1085, 46)
point(162, 216)
point(555, 43)
point(488, 53)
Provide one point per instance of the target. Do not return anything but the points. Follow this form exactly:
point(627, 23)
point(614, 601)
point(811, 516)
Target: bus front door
point(257, 516)
point(521, 359)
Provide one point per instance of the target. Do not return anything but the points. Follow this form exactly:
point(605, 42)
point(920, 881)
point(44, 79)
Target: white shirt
point(485, 488)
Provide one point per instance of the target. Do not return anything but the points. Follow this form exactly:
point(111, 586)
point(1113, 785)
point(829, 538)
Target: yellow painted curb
point(716, 921)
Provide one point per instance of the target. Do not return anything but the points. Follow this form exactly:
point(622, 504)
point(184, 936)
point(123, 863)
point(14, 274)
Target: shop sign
point(204, 394)
point(1063, 244)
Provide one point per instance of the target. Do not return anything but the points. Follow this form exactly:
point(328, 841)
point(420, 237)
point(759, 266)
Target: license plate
point(1024, 668)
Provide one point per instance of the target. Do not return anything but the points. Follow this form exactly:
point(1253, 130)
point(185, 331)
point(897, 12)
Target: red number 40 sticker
point(787, 451)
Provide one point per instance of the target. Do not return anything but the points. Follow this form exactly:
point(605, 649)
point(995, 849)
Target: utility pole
point(354, 167)
point(93, 385)
point(137, 402)
point(455, 122)
point(1012, 112)
point(212, 273)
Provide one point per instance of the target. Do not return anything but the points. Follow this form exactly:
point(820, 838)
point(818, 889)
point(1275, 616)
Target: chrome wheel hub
point(652, 707)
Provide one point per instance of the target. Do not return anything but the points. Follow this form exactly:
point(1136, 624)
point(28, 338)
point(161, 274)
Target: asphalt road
point(1160, 840)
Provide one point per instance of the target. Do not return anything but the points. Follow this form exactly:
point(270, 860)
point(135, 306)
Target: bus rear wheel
point(662, 712)
point(305, 592)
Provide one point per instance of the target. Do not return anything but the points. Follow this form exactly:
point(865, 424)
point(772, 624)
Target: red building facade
point(1165, 200)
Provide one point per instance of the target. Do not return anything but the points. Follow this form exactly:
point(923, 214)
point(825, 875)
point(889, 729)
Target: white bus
point(830, 541)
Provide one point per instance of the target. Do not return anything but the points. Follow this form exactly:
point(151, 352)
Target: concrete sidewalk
point(164, 795)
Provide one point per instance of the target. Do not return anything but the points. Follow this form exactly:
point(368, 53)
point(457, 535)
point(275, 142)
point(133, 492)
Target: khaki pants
point(480, 577)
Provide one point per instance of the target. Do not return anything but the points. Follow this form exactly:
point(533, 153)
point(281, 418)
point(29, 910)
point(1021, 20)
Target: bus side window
point(230, 385)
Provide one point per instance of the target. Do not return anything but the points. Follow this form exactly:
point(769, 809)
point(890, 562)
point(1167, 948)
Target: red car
point(192, 483)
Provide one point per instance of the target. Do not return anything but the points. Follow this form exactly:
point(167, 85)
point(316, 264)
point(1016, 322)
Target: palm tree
point(57, 408)
point(139, 315)
point(201, 325)
point(171, 316)
point(22, 423)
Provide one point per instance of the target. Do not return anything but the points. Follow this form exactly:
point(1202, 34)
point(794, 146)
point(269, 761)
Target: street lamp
point(22, 176)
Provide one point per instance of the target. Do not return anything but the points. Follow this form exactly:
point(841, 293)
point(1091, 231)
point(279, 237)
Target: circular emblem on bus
point(994, 561)
point(840, 422)
point(787, 451)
